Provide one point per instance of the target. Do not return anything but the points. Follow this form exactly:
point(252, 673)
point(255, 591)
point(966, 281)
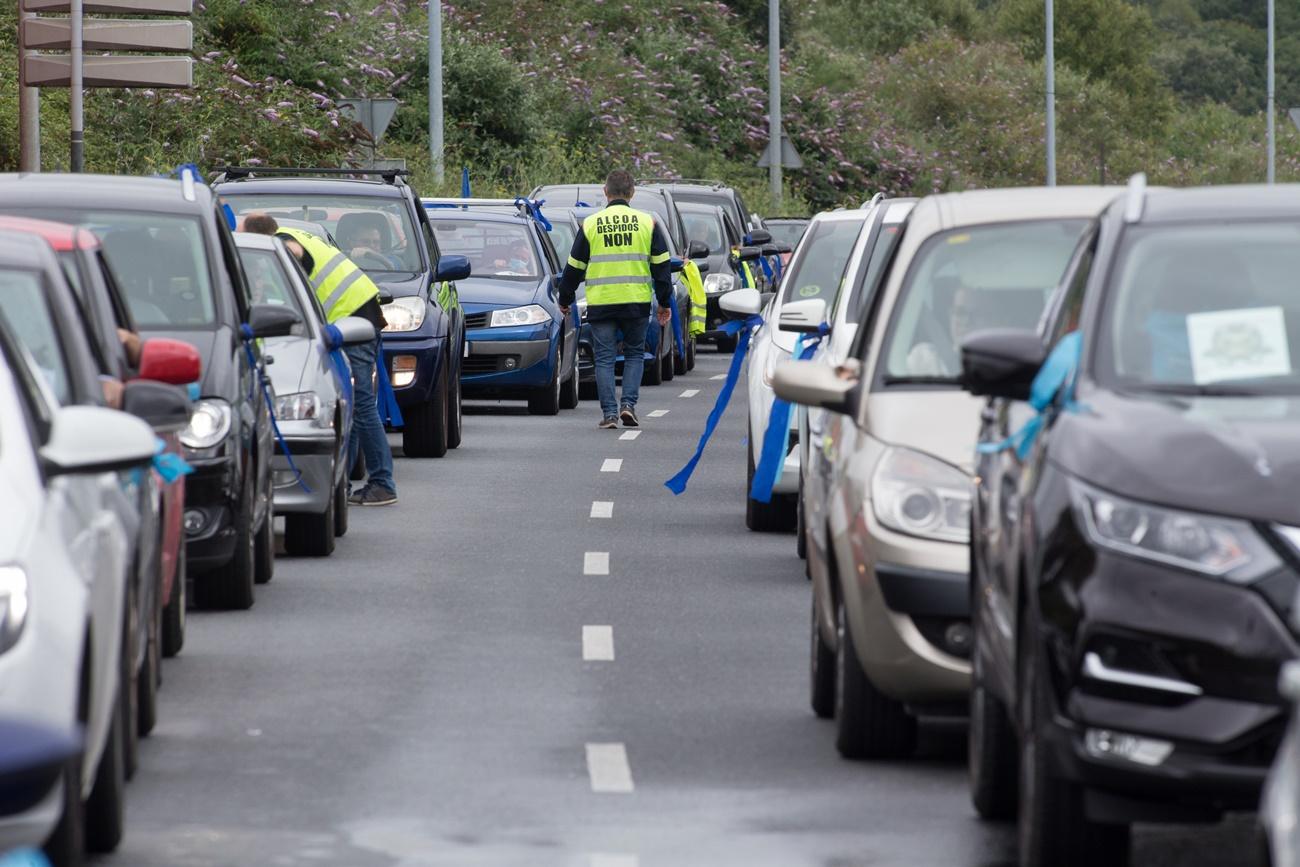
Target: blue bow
point(1054, 379)
point(534, 209)
point(742, 330)
point(776, 439)
point(169, 465)
point(258, 376)
point(387, 399)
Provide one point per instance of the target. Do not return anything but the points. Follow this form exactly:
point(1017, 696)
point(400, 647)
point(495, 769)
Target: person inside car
point(937, 355)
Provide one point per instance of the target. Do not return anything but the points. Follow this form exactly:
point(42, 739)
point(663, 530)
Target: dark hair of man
point(261, 224)
point(619, 184)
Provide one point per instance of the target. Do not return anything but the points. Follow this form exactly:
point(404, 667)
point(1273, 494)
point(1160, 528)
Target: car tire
point(105, 807)
point(868, 723)
point(425, 433)
point(653, 374)
point(991, 749)
point(264, 549)
point(570, 393)
point(821, 671)
point(128, 686)
point(800, 525)
point(66, 845)
point(231, 588)
point(1052, 828)
point(341, 508)
point(173, 618)
point(546, 400)
point(776, 516)
point(680, 361)
point(455, 416)
point(150, 675)
point(667, 360)
point(690, 354)
point(310, 535)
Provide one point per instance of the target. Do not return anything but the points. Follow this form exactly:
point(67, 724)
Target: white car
point(63, 646)
point(813, 277)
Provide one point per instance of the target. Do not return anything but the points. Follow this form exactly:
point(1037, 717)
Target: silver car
point(313, 399)
point(891, 625)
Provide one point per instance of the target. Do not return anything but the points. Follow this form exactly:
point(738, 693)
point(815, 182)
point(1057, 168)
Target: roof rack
point(1135, 199)
point(234, 173)
point(876, 199)
point(531, 208)
point(701, 181)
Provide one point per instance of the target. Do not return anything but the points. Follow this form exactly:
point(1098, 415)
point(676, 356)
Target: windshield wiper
point(1187, 389)
point(921, 380)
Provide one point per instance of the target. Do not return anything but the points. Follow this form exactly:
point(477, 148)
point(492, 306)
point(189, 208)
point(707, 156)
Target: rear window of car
point(819, 269)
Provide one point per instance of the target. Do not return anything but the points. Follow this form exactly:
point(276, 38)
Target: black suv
point(169, 245)
point(424, 341)
point(1135, 560)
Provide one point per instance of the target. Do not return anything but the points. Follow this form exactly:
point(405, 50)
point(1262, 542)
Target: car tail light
point(171, 361)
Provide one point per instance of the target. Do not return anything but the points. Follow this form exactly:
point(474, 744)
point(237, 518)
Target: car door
point(553, 267)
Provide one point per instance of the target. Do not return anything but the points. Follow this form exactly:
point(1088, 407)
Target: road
point(422, 698)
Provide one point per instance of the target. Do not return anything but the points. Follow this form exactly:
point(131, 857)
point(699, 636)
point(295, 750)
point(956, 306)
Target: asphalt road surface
point(440, 692)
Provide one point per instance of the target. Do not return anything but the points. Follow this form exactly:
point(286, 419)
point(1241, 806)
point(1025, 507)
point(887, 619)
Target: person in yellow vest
point(697, 323)
point(622, 256)
point(344, 290)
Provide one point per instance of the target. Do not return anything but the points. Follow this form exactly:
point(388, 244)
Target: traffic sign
point(131, 7)
point(373, 113)
point(107, 34)
point(55, 70)
point(789, 156)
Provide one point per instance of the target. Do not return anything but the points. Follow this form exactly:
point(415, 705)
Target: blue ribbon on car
point(169, 465)
point(776, 439)
point(742, 330)
point(679, 342)
point(24, 858)
point(1055, 379)
point(534, 209)
point(389, 411)
point(339, 361)
point(767, 266)
point(246, 332)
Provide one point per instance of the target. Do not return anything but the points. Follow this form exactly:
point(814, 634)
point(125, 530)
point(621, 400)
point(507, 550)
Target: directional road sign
point(130, 7)
point(789, 156)
point(107, 34)
point(55, 70)
point(374, 114)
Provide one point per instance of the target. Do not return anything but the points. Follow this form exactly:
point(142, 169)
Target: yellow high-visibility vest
point(618, 267)
point(698, 322)
point(339, 283)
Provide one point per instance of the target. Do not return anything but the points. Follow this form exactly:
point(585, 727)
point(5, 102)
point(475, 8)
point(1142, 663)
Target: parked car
point(170, 248)
point(66, 603)
point(313, 398)
point(712, 238)
point(518, 343)
point(424, 341)
point(890, 627)
point(787, 231)
point(1134, 562)
point(809, 288)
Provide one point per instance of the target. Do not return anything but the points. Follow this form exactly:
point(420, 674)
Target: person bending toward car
point(622, 255)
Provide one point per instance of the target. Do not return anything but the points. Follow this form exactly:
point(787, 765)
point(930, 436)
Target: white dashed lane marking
point(595, 563)
point(608, 768)
point(602, 509)
point(690, 392)
point(659, 413)
point(611, 465)
point(629, 434)
point(719, 377)
point(598, 644)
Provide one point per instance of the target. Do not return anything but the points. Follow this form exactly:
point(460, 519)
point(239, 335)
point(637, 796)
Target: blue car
point(518, 345)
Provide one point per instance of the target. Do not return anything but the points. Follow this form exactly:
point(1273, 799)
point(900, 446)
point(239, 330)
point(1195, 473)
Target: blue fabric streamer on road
point(742, 330)
point(776, 439)
point(246, 331)
point(1056, 372)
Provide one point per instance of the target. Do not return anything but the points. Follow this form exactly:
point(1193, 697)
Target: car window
point(786, 233)
point(269, 284)
point(994, 276)
point(819, 270)
point(1063, 316)
point(374, 231)
point(562, 234)
point(704, 226)
point(29, 319)
point(886, 240)
point(496, 250)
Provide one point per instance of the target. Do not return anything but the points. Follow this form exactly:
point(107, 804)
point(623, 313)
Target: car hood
point(478, 293)
point(1227, 455)
point(217, 378)
point(290, 355)
point(400, 283)
point(943, 423)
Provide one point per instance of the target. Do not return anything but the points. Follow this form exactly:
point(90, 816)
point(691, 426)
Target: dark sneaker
point(629, 417)
point(372, 495)
point(608, 423)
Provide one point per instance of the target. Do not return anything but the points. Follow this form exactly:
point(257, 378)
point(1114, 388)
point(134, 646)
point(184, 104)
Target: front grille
point(477, 320)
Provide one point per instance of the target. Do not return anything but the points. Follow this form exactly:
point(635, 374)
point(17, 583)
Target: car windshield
point(885, 242)
point(374, 231)
point(787, 232)
point(1205, 309)
point(995, 276)
point(819, 270)
point(705, 225)
point(26, 312)
point(495, 250)
point(268, 282)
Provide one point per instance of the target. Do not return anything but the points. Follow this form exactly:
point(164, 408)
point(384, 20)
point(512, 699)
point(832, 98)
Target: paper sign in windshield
point(1249, 343)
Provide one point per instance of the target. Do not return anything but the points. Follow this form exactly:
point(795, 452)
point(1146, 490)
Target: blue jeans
point(368, 434)
point(604, 334)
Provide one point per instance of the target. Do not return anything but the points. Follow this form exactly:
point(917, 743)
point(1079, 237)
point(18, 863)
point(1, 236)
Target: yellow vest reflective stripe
point(339, 283)
point(618, 267)
point(698, 322)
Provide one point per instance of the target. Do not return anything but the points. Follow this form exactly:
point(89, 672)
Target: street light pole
point(1272, 131)
point(1050, 61)
point(774, 99)
point(29, 111)
point(435, 89)
point(76, 145)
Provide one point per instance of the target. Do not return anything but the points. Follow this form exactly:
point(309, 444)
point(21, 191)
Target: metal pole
point(1272, 132)
point(29, 113)
point(774, 99)
point(1050, 60)
point(77, 144)
point(435, 88)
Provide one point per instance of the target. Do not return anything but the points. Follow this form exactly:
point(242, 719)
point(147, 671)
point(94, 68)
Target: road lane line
point(595, 563)
point(719, 377)
point(611, 465)
point(609, 859)
point(690, 392)
point(608, 768)
point(602, 508)
point(659, 413)
point(597, 644)
point(629, 434)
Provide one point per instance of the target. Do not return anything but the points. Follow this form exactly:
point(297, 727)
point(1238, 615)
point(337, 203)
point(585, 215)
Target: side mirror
point(816, 385)
point(452, 268)
point(697, 250)
point(164, 407)
point(770, 250)
point(748, 254)
point(272, 320)
point(1001, 362)
point(352, 331)
point(740, 303)
point(676, 264)
point(93, 439)
point(803, 317)
point(782, 249)
point(171, 361)
point(759, 237)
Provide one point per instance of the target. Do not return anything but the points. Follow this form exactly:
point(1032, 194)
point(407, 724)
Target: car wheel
point(821, 670)
point(173, 619)
point(1053, 830)
point(128, 686)
point(726, 343)
point(104, 807)
point(308, 535)
point(681, 362)
point(66, 845)
point(690, 354)
point(546, 400)
point(653, 374)
point(667, 359)
point(990, 749)
point(455, 418)
point(264, 568)
point(150, 673)
point(425, 433)
point(341, 508)
point(775, 516)
point(868, 723)
point(800, 526)
point(570, 394)
point(231, 588)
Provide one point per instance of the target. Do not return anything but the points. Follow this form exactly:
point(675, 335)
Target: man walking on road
point(622, 255)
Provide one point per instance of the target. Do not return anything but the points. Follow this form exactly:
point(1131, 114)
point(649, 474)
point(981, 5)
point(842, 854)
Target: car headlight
point(922, 496)
point(300, 406)
point(13, 605)
point(532, 314)
point(209, 424)
point(582, 309)
point(405, 314)
point(715, 283)
point(1220, 547)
